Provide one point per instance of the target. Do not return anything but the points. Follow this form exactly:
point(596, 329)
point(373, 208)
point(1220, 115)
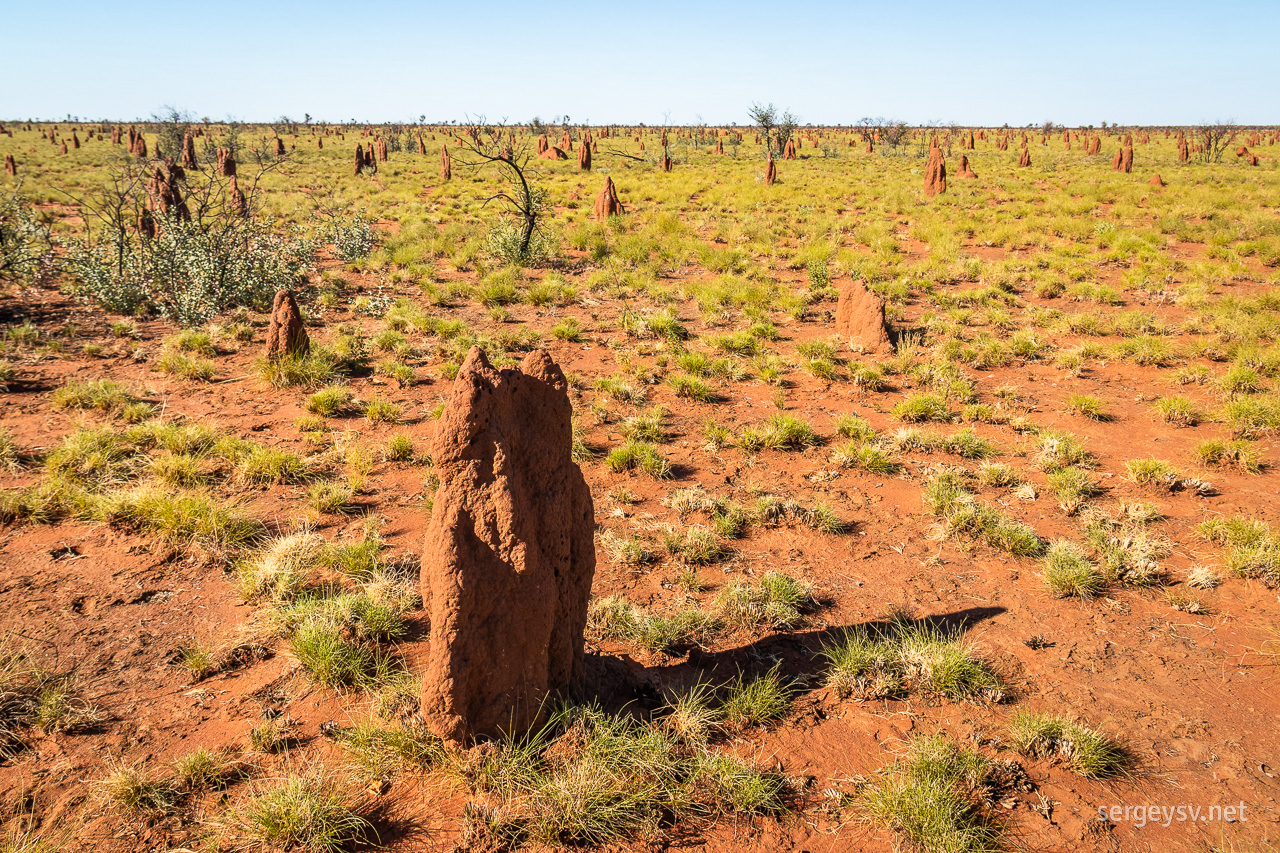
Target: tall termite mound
point(607, 202)
point(510, 554)
point(286, 334)
point(935, 173)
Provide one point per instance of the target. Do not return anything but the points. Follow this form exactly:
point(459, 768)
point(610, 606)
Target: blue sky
point(1072, 62)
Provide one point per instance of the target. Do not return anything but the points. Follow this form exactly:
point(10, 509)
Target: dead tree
point(482, 145)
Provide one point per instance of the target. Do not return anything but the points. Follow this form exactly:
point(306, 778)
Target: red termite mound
point(226, 163)
point(286, 334)
point(446, 167)
point(236, 199)
point(584, 155)
point(1156, 180)
point(607, 203)
point(965, 171)
point(935, 173)
point(770, 171)
point(509, 556)
point(165, 194)
point(860, 319)
point(553, 153)
point(188, 151)
point(1024, 159)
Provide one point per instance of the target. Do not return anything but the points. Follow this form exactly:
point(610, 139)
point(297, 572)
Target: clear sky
point(987, 62)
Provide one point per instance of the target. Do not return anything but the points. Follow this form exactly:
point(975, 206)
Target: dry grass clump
point(589, 778)
point(153, 477)
point(890, 659)
point(130, 789)
point(338, 632)
point(615, 618)
point(101, 395)
point(315, 811)
point(777, 600)
point(937, 797)
point(639, 456)
point(1253, 548)
point(1069, 573)
point(35, 696)
point(947, 496)
point(1239, 454)
point(1085, 750)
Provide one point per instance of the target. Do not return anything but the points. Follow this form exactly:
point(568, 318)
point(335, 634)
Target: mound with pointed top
point(286, 334)
point(607, 202)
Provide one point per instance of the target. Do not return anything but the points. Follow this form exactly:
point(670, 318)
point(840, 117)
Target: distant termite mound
point(226, 164)
point(607, 202)
point(935, 174)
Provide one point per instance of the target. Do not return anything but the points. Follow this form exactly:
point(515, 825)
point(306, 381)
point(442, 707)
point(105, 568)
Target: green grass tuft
point(1085, 750)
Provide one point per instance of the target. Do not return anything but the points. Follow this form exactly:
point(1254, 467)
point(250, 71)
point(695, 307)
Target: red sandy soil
point(1191, 696)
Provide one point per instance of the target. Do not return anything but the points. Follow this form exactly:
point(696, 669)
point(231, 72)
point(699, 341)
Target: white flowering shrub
point(188, 273)
point(26, 250)
point(352, 236)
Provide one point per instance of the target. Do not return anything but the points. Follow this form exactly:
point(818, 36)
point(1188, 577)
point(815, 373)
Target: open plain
point(955, 590)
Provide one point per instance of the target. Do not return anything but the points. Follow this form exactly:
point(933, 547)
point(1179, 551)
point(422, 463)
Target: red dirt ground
point(1192, 696)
